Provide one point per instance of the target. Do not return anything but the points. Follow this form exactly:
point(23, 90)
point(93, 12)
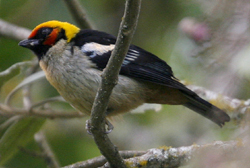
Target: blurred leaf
point(32, 78)
point(12, 71)
point(19, 134)
point(7, 123)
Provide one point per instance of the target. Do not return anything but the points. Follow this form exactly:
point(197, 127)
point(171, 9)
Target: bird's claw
point(108, 127)
point(88, 127)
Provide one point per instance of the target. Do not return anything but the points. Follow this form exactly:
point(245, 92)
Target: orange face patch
point(51, 39)
point(33, 33)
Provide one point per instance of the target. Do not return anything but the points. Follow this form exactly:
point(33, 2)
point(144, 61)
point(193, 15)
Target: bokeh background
point(215, 58)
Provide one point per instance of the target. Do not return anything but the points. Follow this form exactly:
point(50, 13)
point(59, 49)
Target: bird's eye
point(43, 33)
point(46, 31)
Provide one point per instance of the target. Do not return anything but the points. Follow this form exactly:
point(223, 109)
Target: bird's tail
point(207, 110)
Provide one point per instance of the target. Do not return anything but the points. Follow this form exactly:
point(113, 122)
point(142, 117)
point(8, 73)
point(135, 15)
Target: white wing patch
point(131, 56)
point(146, 107)
point(94, 49)
point(97, 49)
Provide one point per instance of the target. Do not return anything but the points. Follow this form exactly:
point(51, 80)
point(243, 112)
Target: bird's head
point(45, 35)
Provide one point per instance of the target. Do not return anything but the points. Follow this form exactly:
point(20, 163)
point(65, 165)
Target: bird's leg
point(108, 127)
point(88, 127)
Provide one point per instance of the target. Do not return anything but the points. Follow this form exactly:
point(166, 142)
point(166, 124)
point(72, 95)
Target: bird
point(73, 60)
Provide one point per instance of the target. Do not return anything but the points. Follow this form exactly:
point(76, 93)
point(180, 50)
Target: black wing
point(138, 63)
point(88, 36)
point(148, 67)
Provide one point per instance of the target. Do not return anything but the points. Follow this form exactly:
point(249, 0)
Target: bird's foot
point(108, 127)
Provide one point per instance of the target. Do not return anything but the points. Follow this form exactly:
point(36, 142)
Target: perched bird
point(73, 60)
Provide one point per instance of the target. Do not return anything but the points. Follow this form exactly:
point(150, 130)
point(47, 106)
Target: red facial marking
point(33, 33)
point(51, 39)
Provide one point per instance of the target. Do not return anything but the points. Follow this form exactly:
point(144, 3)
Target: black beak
point(29, 43)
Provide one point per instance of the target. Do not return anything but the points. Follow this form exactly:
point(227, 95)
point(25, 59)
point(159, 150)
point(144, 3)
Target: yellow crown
point(70, 29)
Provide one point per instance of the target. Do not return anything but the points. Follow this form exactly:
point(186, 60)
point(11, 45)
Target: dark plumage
point(147, 67)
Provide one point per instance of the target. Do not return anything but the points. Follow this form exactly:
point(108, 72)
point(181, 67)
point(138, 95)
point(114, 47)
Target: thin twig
point(52, 99)
point(27, 100)
point(109, 80)
point(78, 13)
point(7, 111)
point(12, 31)
point(32, 153)
point(49, 157)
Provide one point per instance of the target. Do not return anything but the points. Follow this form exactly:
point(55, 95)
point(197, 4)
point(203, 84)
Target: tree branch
point(101, 160)
point(78, 13)
point(109, 80)
point(12, 31)
point(168, 157)
point(175, 157)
